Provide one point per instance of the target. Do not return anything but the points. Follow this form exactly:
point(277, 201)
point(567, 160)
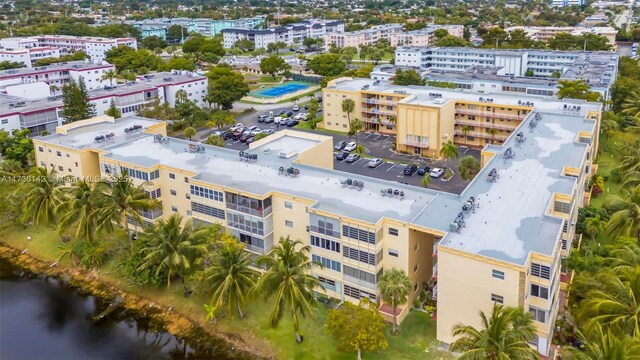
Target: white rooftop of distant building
point(63, 66)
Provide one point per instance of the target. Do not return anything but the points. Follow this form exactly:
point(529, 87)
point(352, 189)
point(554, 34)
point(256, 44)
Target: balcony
point(490, 114)
point(247, 205)
point(152, 214)
point(434, 271)
point(481, 135)
point(485, 124)
point(324, 231)
point(378, 112)
point(251, 211)
point(434, 292)
point(416, 144)
point(435, 248)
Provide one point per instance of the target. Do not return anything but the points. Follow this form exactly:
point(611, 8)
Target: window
point(327, 283)
point(58, 153)
point(359, 255)
point(206, 193)
point(328, 263)
point(42, 163)
point(497, 299)
point(288, 223)
point(172, 192)
point(172, 176)
point(415, 287)
point(562, 207)
point(60, 168)
point(416, 247)
point(207, 210)
point(356, 293)
point(360, 274)
point(154, 194)
point(393, 252)
point(325, 243)
point(538, 315)
point(174, 209)
point(539, 291)
point(40, 149)
point(393, 231)
point(497, 274)
point(288, 205)
point(186, 179)
point(541, 271)
point(415, 268)
point(358, 234)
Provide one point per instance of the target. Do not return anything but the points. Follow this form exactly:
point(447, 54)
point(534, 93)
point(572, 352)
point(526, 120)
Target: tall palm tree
point(221, 119)
point(394, 287)
point(426, 180)
point(355, 125)
point(449, 151)
point(109, 75)
point(466, 130)
point(348, 105)
point(616, 305)
point(468, 167)
point(230, 277)
point(41, 196)
point(492, 132)
point(288, 278)
point(504, 335)
point(626, 217)
point(189, 132)
point(121, 200)
point(631, 105)
point(53, 88)
point(79, 206)
point(603, 345)
point(607, 127)
point(624, 257)
point(173, 248)
point(594, 226)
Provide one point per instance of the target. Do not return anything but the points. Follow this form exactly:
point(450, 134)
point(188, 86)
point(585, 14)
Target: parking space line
point(367, 163)
point(355, 162)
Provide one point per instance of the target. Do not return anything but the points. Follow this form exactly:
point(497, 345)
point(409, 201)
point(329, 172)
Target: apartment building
point(158, 30)
point(545, 33)
point(565, 3)
point(28, 56)
point(293, 34)
point(204, 27)
point(95, 47)
point(44, 113)
point(501, 240)
point(424, 37)
point(362, 37)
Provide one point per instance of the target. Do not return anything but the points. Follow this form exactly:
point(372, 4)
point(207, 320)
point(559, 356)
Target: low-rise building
point(362, 37)
point(293, 34)
point(565, 3)
point(545, 33)
point(28, 56)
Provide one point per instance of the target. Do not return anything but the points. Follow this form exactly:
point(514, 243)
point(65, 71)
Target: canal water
point(45, 319)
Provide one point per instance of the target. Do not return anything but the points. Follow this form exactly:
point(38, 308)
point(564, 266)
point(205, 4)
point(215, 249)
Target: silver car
point(374, 163)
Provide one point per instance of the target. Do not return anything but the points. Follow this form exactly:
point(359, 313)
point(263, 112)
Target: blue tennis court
point(280, 90)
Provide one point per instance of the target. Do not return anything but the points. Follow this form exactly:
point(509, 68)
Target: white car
point(283, 120)
point(255, 131)
point(300, 116)
point(296, 108)
point(350, 146)
point(436, 172)
point(236, 126)
point(268, 131)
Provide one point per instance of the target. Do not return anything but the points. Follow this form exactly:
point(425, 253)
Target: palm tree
point(492, 132)
point(288, 277)
point(616, 304)
point(41, 196)
point(426, 180)
point(607, 127)
point(79, 206)
point(355, 125)
point(594, 226)
point(109, 75)
point(394, 287)
point(121, 200)
point(221, 119)
point(504, 335)
point(348, 105)
point(230, 277)
point(173, 248)
point(189, 132)
point(468, 167)
point(53, 88)
point(631, 105)
point(601, 345)
point(625, 256)
point(626, 217)
point(449, 151)
point(466, 130)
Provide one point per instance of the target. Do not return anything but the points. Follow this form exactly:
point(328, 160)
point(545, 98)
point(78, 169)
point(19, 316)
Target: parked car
point(350, 146)
point(227, 135)
point(436, 172)
point(343, 155)
point(262, 118)
point(410, 169)
point(292, 122)
point(319, 99)
point(423, 170)
point(374, 163)
point(277, 119)
point(268, 131)
point(236, 126)
point(290, 114)
point(269, 119)
point(250, 140)
point(352, 158)
point(255, 132)
point(246, 136)
point(251, 128)
point(282, 112)
point(306, 107)
point(339, 145)
point(300, 116)
point(296, 108)
point(237, 134)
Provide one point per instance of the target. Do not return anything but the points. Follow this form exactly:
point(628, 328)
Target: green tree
point(214, 140)
point(449, 151)
point(355, 126)
point(631, 105)
point(348, 53)
point(607, 127)
point(577, 89)
point(154, 42)
point(288, 279)
point(173, 248)
point(348, 105)
point(625, 219)
point(468, 167)
point(220, 119)
point(594, 226)
point(358, 328)
point(375, 54)
point(189, 132)
point(245, 45)
point(113, 110)
point(452, 41)
point(41, 196)
point(230, 277)
point(76, 102)
point(426, 180)
point(6, 65)
point(503, 335)
point(16, 146)
point(225, 87)
point(175, 33)
point(109, 75)
point(273, 65)
point(327, 64)
point(603, 345)
point(79, 207)
point(395, 287)
point(408, 77)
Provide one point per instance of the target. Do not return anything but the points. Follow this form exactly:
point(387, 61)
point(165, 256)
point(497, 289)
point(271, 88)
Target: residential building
point(28, 56)
point(95, 47)
point(424, 37)
point(44, 113)
point(291, 34)
point(545, 33)
point(362, 37)
point(205, 27)
point(565, 3)
point(498, 241)
point(159, 30)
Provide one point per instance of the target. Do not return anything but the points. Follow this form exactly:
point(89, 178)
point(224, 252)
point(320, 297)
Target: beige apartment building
point(500, 240)
point(393, 33)
point(546, 33)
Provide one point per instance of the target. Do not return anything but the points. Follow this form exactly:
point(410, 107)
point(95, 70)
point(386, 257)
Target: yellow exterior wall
point(333, 116)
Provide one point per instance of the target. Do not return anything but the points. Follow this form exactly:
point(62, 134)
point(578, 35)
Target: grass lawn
point(306, 125)
point(607, 161)
point(416, 339)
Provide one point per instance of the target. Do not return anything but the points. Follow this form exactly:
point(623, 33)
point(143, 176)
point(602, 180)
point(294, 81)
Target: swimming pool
point(279, 90)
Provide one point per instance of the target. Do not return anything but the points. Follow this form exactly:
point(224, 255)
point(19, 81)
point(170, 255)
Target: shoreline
point(175, 323)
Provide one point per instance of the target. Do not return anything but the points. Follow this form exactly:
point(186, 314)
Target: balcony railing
point(490, 114)
point(485, 124)
point(153, 214)
point(434, 292)
point(481, 135)
point(250, 211)
point(324, 231)
point(416, 144)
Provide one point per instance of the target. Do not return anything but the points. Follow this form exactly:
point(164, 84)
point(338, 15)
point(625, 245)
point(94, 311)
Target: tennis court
point(279, 90)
